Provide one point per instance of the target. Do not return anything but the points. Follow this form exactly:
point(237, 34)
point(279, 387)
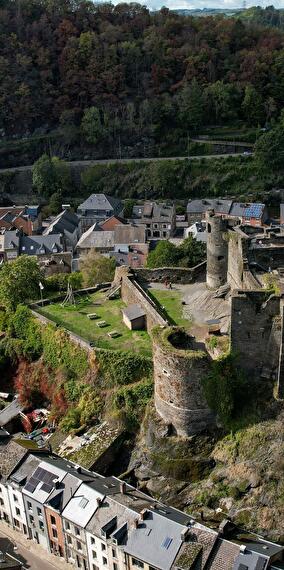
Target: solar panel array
point(41, 476)
point(167, 542)
point(253, 211)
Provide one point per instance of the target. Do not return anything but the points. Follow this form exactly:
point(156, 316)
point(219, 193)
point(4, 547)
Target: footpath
point(35, 549)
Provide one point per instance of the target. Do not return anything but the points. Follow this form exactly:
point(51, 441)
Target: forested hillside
point(101, 72)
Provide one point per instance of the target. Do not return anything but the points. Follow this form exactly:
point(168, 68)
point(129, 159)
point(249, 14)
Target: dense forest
point(100, 73)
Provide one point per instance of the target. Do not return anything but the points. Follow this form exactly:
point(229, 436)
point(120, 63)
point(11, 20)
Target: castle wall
point(181, 275)
point(178, 375)
point(217, 250)
point(252, 321)
point(132, 293)
point(280, 376)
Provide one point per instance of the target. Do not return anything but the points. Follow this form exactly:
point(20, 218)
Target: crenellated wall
point(182, 275)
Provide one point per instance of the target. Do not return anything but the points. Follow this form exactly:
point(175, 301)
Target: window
point(23, 248)
point(94, 554)
point(32, 247)
point(39, 512)
point(79, 545)
point(78, 560)
point(32, 520)
point(16, 523)
point(41, 525)
point(77, 531)
point(69, 539)
point(29, 506)
point(104, 561)
point(54, 533)
point(115, 567)
point(103, 546)
point(52, 519)
point(95, 567)
point(1, 502)
point(18, 512)
point(113, 553)
point(15, 498)
point(137, 563)
point(67, 525)
point(92, 540)
point(83, 503)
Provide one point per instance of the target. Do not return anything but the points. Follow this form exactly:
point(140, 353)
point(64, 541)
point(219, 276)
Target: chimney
point(122, 487)
point(143, 514)
point(98, 501)
point(135, 523)
point(56, 484)
point(183, 534)
point(78, 468)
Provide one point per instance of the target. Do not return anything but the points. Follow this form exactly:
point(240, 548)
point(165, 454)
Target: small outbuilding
point(134, 317)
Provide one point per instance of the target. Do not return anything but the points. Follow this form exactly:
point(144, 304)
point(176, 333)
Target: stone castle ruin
point(239, 259)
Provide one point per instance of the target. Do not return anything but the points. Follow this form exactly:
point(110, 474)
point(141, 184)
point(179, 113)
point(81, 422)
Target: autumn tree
point(96, 268)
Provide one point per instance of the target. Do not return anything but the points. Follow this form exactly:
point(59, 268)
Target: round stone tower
point(217, 251)
point(179, 366)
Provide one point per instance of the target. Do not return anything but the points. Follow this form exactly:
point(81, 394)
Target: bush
point(119, 367)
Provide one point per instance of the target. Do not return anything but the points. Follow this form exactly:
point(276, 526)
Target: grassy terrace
point(74, 318)
point(171, 301)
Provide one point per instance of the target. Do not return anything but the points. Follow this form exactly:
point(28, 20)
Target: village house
point(196, 208)
point(66, 224)
point(253, 214)
point(103, 523)
point(95, 238)
point(25, 218)
point(98, 208)
point(159, 219)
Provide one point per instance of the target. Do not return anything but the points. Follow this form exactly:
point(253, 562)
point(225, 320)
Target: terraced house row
point(101, 523)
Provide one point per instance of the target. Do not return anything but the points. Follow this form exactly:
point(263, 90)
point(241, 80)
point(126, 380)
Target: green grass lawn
point(74, 318)
point(171, 301)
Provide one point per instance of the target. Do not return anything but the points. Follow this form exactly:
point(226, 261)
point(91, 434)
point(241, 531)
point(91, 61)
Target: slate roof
point(99, 202)
point(82, 505)
point(11, 454)
point(65, 221)
point(42, 481)
point(41, 245)
point(223, 555)
point(97, 238)
point(156, 540)
point(246, 210)
point(201, 206)
point(250, 561)
point(134, 312)
point(108, 511)
point(130, 233)
point(157, 212)
point(11, 239)
point(26, 469)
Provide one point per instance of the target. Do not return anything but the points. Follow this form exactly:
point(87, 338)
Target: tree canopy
point(166, 254)
point(99, 69)
point(19, 281)
point(96, 268)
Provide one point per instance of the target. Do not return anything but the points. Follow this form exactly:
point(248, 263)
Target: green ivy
point(227, 389)
point(118, 367)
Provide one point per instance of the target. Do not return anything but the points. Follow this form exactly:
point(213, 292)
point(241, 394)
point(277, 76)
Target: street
point(125, 160)
point(31, 555)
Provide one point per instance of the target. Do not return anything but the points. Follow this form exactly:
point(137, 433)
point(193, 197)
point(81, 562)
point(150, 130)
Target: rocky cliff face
point(211, 476)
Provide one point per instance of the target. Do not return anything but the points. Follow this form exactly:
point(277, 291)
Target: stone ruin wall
point(182, 275)
point(253, 317)
point(132, 293)
point(179, 399)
